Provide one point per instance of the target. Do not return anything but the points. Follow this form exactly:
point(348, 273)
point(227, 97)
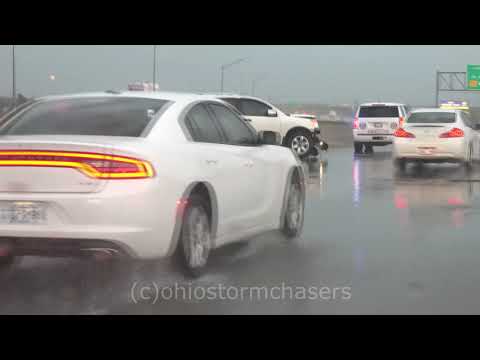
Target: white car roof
point(161, 95)
point(424, 110)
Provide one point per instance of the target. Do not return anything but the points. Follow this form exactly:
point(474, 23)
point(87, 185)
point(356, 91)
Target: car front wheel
point(300, 141)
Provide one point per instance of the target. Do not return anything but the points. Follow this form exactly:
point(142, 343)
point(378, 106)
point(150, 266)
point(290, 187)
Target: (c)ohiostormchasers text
point(153, 292)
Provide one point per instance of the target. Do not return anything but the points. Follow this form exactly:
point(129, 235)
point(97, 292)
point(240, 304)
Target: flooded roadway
point(400, 244)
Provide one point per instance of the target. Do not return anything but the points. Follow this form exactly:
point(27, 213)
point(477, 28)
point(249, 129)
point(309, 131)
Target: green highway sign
point(473, 77)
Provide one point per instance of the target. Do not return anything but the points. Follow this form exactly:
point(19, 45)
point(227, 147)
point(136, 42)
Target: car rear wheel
point(300, 141)
point(469, 161)
point(195, 240)
point(7, 263)
point(295, 209)
point(358, 147)
point(400, 164)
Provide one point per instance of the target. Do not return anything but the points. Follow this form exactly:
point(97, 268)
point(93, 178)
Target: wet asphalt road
point(401, 244)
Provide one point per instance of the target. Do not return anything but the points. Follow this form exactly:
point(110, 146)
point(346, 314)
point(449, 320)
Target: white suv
point(375, 123)
point(300, 134)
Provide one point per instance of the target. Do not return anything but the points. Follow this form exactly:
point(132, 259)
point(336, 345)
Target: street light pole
point(154, 66)
point(14, 80)
point(221, 82)
point(226, 66)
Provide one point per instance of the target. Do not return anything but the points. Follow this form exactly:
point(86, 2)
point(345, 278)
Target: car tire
point(300, 142)
point(292, 226)
point(469, 162)
point(369, 149)
point(7, 263)
point(400, 165)
point(358, 147)
point(195, 241)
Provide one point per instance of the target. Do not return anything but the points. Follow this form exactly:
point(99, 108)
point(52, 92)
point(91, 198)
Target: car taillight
point(401, 133)
point(400, 121)
point(315, 123)
point(355, 123)
point(454, 133)
point(97, 166)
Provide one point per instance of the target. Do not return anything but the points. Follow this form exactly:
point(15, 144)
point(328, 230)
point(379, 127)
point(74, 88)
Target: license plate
point(426, 151)
point(24, 213)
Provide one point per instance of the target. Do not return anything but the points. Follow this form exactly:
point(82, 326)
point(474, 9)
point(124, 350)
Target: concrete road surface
point(375, 242)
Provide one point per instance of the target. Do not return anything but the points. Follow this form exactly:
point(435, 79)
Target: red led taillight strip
point(98, 166)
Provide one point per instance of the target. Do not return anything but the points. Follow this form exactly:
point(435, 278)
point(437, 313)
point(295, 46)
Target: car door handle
point(212, 162)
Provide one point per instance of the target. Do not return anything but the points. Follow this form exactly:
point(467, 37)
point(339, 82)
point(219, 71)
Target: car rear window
point(431, 118)
point(101, 116)
point(378, 112)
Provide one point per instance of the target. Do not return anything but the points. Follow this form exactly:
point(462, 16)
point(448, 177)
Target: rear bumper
point(58, 247)
point(379, 139)
point(135, 221)
point(446, 150)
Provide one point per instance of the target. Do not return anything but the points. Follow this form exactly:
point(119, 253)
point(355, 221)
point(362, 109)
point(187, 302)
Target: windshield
point(431, 118)
point(101, 116)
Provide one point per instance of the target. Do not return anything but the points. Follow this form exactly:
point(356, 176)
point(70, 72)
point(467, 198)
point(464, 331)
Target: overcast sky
point(313, 74)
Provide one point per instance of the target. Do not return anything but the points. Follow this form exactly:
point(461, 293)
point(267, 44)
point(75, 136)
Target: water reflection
point(356, 182)
point(316, 179)
point(433, 194)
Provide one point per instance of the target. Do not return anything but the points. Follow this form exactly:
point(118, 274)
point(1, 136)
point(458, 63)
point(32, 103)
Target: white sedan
point(141, 175)
point(436, 135)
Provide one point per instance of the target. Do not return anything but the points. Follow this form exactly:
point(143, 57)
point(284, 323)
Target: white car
point(141, 175)
point(300, 134)
point(375, 123)
point(436, 135)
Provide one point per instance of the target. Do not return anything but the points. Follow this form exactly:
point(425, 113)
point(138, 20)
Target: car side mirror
point(269, 138)
point(272, 113)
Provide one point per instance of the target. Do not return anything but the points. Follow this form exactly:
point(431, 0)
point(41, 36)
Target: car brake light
point(454, 133)
point(355, 123)
point(315, 123)
point(401, 133)
point(97, 166)
point(400, 121)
